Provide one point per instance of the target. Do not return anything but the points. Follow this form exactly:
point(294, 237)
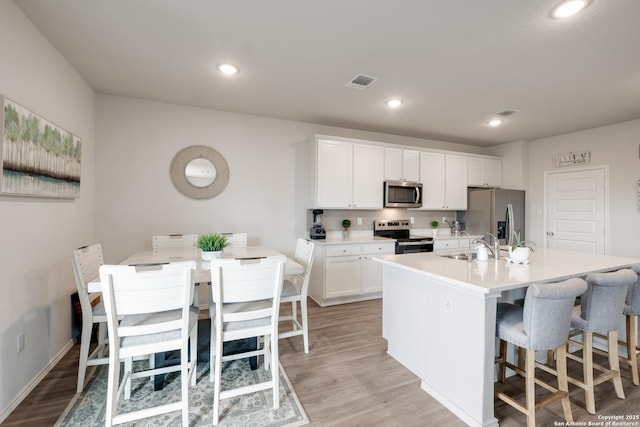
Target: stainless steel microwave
point(402, 194)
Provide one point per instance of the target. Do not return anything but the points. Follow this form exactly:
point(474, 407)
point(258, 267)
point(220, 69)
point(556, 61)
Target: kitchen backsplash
point(332, 218)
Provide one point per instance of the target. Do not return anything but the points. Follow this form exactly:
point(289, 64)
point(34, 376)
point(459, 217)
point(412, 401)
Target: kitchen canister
point(482, 254)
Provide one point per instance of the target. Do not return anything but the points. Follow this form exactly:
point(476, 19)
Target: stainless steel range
point(399, 229)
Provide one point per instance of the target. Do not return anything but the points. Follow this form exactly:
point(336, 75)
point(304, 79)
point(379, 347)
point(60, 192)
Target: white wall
point(515, 164)
point(615, 145)
point(137, 139)
point(38, 234)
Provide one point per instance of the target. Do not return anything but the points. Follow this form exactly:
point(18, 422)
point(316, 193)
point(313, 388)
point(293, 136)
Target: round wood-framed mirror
point(199, 172)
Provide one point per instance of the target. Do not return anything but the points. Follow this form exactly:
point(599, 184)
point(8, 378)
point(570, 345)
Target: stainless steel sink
point(463, 257)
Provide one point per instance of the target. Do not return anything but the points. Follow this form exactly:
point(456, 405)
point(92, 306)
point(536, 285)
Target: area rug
point(255, 409)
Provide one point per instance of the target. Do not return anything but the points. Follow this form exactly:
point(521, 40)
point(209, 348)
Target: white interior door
point(577, 210)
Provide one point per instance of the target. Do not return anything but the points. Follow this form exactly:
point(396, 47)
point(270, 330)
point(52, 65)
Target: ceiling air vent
point(505, 113)
point(360, 81)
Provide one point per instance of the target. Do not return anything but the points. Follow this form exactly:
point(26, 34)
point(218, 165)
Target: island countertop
point(495, 276)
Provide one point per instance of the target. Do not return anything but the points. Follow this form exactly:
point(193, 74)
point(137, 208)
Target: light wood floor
point(347, 379)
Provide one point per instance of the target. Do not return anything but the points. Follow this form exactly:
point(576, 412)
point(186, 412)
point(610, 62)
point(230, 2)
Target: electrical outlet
point(20, 343)
point(448, 305)
point(444, 219)
point(359, 221)
point(412, 220)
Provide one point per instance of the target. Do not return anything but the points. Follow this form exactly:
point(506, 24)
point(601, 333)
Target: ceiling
point(454, 63)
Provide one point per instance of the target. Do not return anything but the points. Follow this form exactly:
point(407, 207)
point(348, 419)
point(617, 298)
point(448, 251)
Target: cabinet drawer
point(440, 244)
point(342, 250)
point(379, 248)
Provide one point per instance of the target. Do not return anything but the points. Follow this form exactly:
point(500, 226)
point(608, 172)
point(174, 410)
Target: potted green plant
point(520, 250)
point(345, 228)
point(212, 245)
point(434, 227)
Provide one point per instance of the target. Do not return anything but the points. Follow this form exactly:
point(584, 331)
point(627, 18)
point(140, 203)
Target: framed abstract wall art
point(38, 158)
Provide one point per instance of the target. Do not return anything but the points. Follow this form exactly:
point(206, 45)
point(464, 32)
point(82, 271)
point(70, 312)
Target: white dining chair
point(85, 262)
point(245, 300)
point(174, 241)
point(295, 290)
point(154, 304)
point(236, 240)
point(178, 242)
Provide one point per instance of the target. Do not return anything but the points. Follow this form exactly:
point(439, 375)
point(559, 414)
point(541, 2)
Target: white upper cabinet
point(484, 172)
point(334, 172)
point(345, 175)
point(349, 173)
point(444, 180)
point(432, 179)
point(456, 182)
point(368, 176)
point(401, 165)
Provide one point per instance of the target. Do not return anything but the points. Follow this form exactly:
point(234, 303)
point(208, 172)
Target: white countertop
point(443, 233)
point(352, 239)
point(366, 236)
point(545, 265)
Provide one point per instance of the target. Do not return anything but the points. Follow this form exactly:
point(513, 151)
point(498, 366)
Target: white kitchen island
point(439, 318)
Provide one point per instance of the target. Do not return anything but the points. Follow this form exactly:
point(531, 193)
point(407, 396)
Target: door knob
point(549, 233)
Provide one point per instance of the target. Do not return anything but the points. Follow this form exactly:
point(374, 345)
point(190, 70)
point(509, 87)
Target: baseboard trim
point(35, 381)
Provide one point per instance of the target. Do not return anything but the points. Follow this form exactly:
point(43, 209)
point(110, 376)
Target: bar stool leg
point(563, 383)
point(632, 347)
point(614, 363)
point(530, 387)
point(502, 358)
point(587, 371)
point(550, 358)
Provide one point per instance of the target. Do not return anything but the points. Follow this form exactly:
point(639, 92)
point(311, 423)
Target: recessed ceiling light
point(228, 69)
point(568, 8)
point(394, 103)
point(494, 122)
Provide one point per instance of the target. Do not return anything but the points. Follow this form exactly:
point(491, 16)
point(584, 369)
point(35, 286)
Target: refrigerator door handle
point(510, 222)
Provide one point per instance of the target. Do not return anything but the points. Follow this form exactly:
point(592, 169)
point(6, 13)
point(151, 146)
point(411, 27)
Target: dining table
point(203, 271)
point(202, 276)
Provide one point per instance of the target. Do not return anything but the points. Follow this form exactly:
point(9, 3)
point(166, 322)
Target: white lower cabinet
point(344, 273)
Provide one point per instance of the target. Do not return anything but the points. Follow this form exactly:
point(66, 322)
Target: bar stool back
point(599, 312)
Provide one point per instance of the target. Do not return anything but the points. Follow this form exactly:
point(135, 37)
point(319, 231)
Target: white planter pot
point(519, 254)
point(434, 232)
point(208, 256)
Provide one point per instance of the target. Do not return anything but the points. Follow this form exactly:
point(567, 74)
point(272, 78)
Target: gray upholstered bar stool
point(542, 324)
point(632, 313)
point(599, 312)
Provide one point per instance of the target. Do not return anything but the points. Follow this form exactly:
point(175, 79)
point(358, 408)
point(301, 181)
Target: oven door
point(414, 246)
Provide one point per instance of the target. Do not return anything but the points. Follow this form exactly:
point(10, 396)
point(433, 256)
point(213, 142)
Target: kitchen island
point(439, 317)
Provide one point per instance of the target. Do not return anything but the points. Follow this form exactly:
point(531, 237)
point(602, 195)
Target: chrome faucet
point(496, 246)
point(482, 242)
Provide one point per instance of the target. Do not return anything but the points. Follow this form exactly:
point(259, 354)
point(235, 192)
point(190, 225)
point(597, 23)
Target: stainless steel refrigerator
point(495, 210)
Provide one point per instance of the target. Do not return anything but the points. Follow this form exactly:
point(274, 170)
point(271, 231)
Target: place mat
point(88, 408)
